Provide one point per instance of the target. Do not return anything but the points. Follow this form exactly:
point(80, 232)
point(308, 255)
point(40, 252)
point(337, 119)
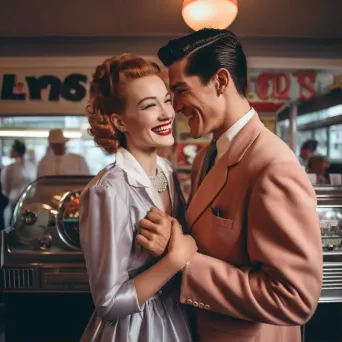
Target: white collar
point(137, 177)
point(223, 142)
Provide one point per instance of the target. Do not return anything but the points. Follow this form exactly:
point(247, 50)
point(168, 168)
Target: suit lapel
point(217, 178)
point(196, 181)
point(207, 191)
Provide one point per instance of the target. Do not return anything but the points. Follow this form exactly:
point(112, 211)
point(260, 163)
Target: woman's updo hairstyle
point(108, 96)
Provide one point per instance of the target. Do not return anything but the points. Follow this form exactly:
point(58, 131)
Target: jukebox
point(326, 324)
point(44, 279)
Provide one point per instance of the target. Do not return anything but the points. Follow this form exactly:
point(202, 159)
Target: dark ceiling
point(84, 18)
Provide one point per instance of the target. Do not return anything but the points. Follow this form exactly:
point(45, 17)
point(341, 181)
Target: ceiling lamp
point(218, 14)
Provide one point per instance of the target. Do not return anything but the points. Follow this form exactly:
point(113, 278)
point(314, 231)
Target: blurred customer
point(318, 165)
point(17, 176)
point(307, 150)
point(58, 161)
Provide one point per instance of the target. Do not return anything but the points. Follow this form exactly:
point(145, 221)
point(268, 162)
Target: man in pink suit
point(257, 274)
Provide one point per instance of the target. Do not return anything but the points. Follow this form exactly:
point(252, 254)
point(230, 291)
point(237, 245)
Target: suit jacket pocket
point(221, 222)
point(223, 234)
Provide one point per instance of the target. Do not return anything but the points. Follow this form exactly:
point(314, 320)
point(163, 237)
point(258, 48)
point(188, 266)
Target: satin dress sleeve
point(106, 239)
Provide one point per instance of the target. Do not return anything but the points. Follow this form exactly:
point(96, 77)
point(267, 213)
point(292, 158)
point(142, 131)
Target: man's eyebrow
point(176, 85)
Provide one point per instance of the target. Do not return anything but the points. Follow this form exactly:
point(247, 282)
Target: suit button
point(195, 304)
point(201, 305)
point(189, 301)
point(207, 307)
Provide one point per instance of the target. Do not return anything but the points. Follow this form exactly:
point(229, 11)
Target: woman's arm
point(153, 279)
point(107, 239)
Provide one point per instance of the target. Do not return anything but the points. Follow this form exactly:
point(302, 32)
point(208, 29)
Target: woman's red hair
point(108, 96)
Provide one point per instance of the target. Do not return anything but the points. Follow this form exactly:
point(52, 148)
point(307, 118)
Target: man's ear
point(221, 79)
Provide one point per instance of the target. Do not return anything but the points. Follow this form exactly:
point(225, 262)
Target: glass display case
point(326, 323)
point(329, 209)
point(331, 227)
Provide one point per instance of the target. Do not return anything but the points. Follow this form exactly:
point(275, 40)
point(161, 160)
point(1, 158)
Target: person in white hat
point(59, 161)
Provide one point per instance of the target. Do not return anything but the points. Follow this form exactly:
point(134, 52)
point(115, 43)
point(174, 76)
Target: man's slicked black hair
point(209, 50)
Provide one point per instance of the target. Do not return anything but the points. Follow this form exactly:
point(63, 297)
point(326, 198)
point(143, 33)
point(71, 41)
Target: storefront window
point(33, 131)
point(321, 135)
point(319, 115)
point(283, 130)
point(335, 142)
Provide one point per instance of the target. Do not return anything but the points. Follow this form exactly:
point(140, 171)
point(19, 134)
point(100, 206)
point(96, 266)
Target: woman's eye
point(168, 100)
point(149, 106)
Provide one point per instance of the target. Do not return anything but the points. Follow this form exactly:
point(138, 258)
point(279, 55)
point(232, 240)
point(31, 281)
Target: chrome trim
point(59, 221)
point(330, 300)
point(331, 290)
point(18, 278)
point(45, 278)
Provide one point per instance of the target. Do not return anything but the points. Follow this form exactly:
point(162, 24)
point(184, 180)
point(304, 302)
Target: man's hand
point(155, 232)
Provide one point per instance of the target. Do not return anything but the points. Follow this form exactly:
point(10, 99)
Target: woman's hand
point(180, 250)
point(181, 247)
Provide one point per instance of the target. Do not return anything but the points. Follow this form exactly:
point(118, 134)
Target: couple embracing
point(242, 261)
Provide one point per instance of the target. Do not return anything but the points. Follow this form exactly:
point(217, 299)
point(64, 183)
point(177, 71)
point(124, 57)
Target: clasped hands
point(162, 234)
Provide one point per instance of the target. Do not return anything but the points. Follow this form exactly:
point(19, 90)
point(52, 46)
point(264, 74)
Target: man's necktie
point(209, 159)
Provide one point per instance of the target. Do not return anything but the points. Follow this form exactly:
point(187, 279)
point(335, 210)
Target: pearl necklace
point(159, 181)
